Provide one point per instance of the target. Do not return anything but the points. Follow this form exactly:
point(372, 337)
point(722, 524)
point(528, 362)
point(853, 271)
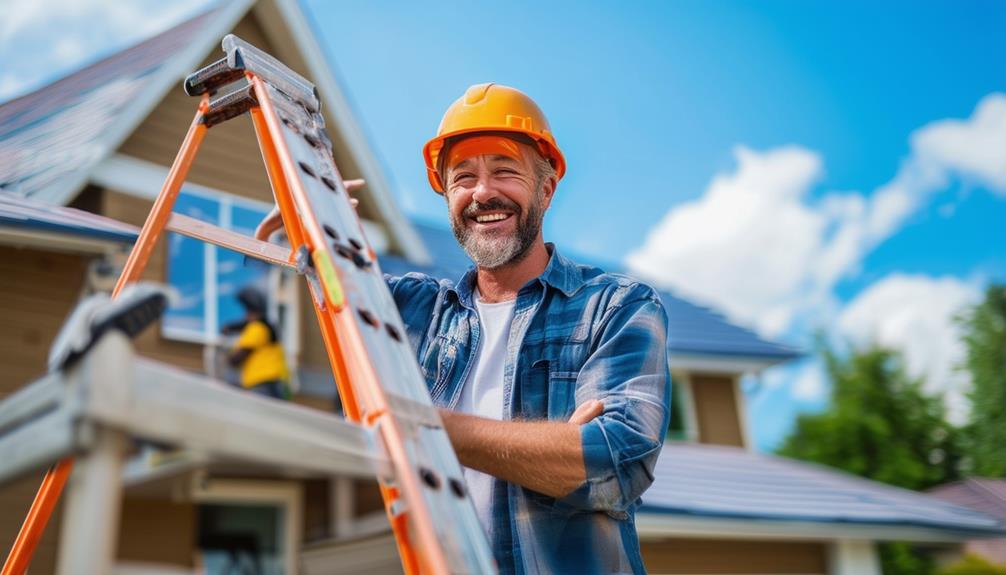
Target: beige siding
point(722, 557)
point(37, 291)
point(716, 410)
point(157, 531)
point(150, 343)
point(229, 158)
point(312, 347)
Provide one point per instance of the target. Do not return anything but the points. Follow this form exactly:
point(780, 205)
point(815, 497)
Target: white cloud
point(914, 314)
point(758, 246)
point(974, 148)
point(745, 245)
point(47, 39)
point(811, 382)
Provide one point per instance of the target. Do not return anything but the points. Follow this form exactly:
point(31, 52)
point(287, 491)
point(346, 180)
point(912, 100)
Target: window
point(248, 526)
point(208, 278)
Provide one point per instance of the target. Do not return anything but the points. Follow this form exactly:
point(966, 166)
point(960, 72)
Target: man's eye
point(463, 177)
point(506, 171)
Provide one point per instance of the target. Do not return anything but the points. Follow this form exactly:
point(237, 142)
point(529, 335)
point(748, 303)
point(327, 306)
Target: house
point(985, 494)
point(80, 163)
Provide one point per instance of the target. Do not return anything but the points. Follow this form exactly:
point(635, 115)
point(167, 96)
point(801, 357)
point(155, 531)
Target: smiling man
point(552, 376)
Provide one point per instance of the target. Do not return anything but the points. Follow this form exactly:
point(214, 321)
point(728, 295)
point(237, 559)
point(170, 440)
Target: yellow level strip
point(329, 279)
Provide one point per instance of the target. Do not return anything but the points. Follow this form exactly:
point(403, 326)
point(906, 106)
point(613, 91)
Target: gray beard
point(493, 251)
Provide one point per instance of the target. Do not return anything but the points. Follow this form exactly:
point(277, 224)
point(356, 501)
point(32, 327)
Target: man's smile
point(490, 219)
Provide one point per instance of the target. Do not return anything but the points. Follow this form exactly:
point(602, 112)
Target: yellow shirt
point(266, 362)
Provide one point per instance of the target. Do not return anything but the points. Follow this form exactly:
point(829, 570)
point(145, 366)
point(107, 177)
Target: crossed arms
point(602, 458)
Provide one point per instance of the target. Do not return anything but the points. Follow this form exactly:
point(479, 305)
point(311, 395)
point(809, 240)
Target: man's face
point(496, 205)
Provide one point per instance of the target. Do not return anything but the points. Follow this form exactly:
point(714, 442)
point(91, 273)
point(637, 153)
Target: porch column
point(853, 557)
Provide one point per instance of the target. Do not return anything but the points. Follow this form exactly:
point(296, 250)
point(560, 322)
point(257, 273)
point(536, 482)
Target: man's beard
point(498, 249)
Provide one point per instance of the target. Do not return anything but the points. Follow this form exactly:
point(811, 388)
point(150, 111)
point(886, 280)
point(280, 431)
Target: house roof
point(22, 214)
point(985, 494)
point(52, 135)
point(53, 139)
point(693, 330)
point(708, 482)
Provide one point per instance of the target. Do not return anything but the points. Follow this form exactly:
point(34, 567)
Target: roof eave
point(69, 241)
point(403, 235)
point(723, 363)
point(63, 190)
point(654, 525)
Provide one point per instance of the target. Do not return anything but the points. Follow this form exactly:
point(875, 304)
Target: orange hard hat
point(492, 108)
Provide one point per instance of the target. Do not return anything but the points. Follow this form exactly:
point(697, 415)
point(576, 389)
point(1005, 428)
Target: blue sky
point(797, 165)
point(650, 100)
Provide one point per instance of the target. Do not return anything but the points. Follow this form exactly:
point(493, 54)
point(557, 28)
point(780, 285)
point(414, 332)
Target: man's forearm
point(544, 456)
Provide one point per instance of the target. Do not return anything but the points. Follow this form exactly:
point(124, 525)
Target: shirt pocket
point(438, 364)
point(547, 392)
point(561, 394)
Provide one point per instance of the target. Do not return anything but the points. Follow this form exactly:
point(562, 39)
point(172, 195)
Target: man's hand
point(586, 411)
point(544, 456)
point(274, 221)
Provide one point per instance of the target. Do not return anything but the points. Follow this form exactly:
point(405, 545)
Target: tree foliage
point(879, 425)
point(973, 565)
point(985, 342)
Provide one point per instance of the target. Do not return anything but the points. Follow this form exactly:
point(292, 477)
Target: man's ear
point(548, 190)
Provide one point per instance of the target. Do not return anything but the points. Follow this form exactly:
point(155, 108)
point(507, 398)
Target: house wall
point(151, 343)
point(37, 291)
point(313, 355)
point(717, 409)
point(723, 557)
point(229, 158)
point(157, 531)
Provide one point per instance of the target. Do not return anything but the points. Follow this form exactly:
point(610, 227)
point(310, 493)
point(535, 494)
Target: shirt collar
point(560, 273)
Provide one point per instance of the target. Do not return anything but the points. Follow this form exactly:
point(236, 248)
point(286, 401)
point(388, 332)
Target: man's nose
point(483, 191)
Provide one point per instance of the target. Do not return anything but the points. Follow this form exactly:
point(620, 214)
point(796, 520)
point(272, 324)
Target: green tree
point(985, 341)
point(973, 565)
point(879, 425)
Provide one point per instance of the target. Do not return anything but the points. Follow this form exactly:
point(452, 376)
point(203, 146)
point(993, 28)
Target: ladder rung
point(244, 56)
point(211, 78)
point(200, 230)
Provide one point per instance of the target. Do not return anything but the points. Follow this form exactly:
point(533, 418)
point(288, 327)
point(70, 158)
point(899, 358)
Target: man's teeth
point(491, 218)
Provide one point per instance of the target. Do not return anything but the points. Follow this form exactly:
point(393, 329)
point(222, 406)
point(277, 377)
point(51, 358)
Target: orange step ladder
point(378, 379)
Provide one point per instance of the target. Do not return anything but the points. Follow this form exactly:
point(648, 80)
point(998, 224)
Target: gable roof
point(51, 140)
point(985, 494)
point(28, 224)
point(24, 214)
point(700, 486)
point(693, 331)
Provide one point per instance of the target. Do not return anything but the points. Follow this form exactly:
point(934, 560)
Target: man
point(553, 375)
point(257, 352)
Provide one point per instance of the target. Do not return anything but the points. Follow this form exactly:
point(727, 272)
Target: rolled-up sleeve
point(628, 372)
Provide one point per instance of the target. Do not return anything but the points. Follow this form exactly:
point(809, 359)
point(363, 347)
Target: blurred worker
point(258, 353)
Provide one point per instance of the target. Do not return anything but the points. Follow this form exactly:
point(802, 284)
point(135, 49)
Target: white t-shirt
point(482, 393)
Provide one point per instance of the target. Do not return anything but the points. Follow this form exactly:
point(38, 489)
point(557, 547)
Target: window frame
point(288, 496)
point(210, 335)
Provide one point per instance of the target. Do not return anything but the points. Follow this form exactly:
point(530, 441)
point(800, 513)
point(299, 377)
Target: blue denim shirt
point(577, 334)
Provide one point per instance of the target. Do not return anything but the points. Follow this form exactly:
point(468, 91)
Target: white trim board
point(58, 241)
point(655, 526)
point(143, 179)
point(721, 364)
